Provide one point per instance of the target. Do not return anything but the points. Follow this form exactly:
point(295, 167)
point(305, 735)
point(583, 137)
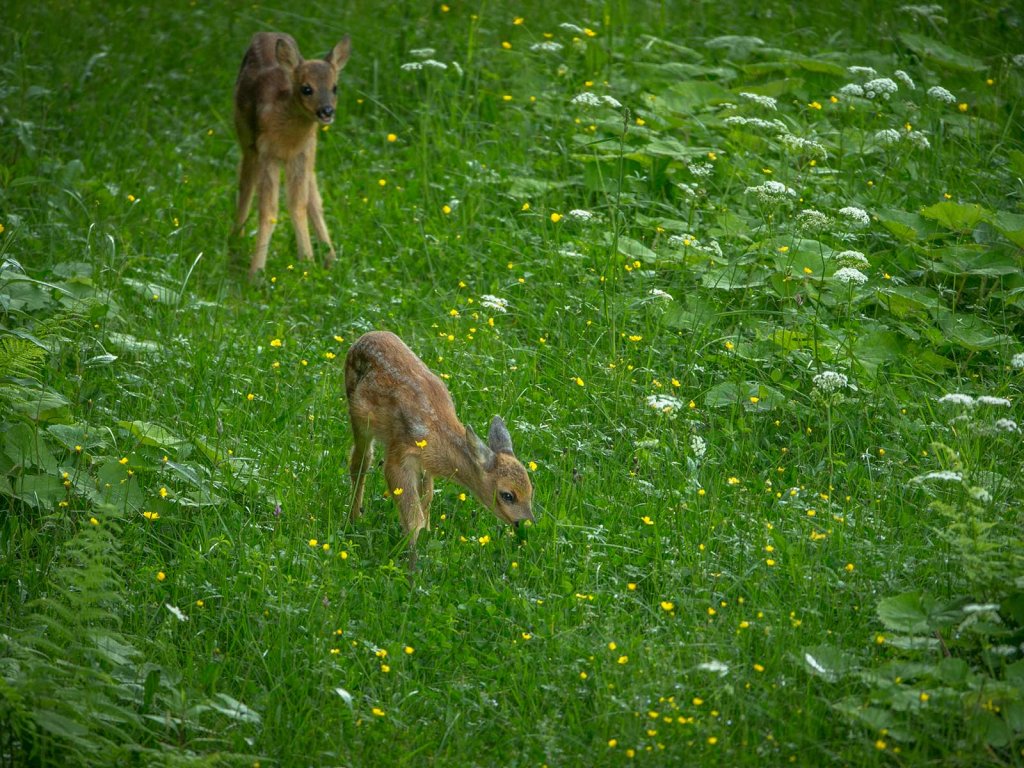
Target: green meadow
point(744, 279)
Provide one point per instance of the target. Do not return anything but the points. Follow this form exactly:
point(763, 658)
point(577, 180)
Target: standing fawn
point(280, 102)
point(395, 399)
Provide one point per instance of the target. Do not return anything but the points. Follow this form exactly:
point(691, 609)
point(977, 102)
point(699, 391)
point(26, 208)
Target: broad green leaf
point(153, 291)
point(940, 53)
point(905, 225)
point(976, 260)
point(1010, 226)
point(689, 96)
point(73, 435)
point(971, 332)
point(915, 613)
point(960, 217)
point(734, 279)
point(824, 67)
point(41, 491)
point(634, 249)
point(152, 434)
point(128, 343)
point(875, 349)
point(827, 661)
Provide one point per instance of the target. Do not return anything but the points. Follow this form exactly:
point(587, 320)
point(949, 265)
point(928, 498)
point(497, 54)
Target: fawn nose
point(325, 113)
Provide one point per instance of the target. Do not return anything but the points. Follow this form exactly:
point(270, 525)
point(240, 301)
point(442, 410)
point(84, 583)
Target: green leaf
point(1010, 226)
point(960, 217)
point(827, 661)
point(915, 613)
point(634, 249)
point(152, 434)
point(940, 53)
point(905, 225)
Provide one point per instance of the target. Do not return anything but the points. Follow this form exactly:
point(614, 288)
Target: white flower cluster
point(919, 140)
point(966, 401)
point(888, 136)
point(712, 248)
point(549, 46)
point(756, 122)
point(771, 191)
point(591, 99)
point(831, 381)
point(422, 53)
point(850, 275)
point(1017, 361)
point(700, 170)
point(656, 294)
point(942, 475)
point(1018, 60)
point(855, 215)
point(412, 66)
point(664, 403)
point(763, 101)
point(571, 28)
point(862, 71)
point(496, 303)
point(800, 145)
point(580, 215)
point(811, 220)
point(851, 259)
point(904, 78)
point(851, 89)
point(880, 86)
point(1006, 425)
point(699, 446)
point(939, 93)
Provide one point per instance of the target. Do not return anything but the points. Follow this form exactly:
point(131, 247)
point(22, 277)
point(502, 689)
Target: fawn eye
point(507, 497)
point(307, 90)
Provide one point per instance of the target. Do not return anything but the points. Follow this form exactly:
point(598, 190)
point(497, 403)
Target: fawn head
point(504, 486)
point(315, 82)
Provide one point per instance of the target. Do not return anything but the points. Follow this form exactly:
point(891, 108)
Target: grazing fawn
point(395, 399)
point(280, 102)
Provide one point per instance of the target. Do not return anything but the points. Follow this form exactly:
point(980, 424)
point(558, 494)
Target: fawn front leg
point(297, 173)
point(269, 183)
point(316, 215)
point(403, 474)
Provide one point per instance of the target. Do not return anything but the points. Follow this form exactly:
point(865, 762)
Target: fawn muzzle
point(325, 114)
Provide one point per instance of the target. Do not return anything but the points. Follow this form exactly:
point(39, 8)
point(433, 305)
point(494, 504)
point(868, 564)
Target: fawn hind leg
point(297, 173)
point(359, 463)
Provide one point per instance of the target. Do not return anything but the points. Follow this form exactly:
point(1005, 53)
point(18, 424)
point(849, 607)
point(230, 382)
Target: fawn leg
point(359, 463)
point(316, 215)
point(297, 177)
point(403, 474)
point(269, 184)
point(247, 173)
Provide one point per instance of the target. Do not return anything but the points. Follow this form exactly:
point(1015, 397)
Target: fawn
point(395, 399)
point(280, 101)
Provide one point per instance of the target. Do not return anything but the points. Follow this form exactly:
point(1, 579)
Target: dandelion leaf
point(940, 53)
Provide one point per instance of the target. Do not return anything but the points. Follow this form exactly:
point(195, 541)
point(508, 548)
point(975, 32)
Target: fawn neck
point(450, 458)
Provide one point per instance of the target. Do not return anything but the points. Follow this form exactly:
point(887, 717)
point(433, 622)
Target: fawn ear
point(482, 455)
point(287, 56)
point(498, 438)
point(338, 57)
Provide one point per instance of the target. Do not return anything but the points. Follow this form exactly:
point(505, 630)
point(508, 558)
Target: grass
point(739, 558)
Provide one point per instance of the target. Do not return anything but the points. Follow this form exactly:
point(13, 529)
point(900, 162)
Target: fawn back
point(280, 101)
point(395, 399)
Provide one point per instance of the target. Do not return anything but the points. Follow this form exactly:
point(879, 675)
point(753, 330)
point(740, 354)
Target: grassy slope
point(541, 653)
